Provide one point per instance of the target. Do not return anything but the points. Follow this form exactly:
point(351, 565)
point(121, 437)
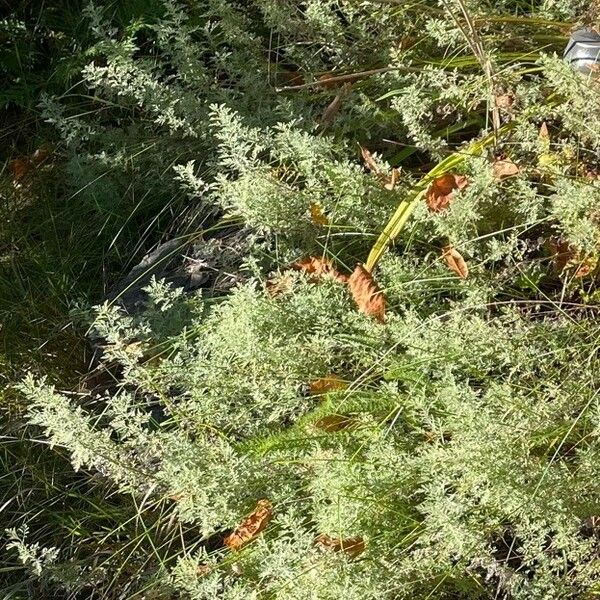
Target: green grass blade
point(408, 204)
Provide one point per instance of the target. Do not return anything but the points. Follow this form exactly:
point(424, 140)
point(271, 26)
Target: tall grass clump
point(266, 433)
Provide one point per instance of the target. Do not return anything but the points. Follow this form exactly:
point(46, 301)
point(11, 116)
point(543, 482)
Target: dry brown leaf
point(251, 526)
point(441, 191)
point(326, 384)
point(366, 293)
point(369, 160)
point(455, 261)
point(408, 42)
point(351, 546)
point(563, 253)
point(504, 168)
point(544, 134)
point(584, 270)
point(319, 267)
point(324, 80)
point(333, 423)
point(19, 167)
point(389, 182)
point(334, 107)
point(586, 266)
point(317, 214)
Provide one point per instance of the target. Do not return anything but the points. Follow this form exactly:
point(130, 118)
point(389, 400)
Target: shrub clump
point(451, 451)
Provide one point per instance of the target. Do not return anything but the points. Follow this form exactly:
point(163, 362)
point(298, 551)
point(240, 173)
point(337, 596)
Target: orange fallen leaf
point(19, 167)
point(441, 191)
point(367, 295)
point(319, 267)
point(251, 526)
point(317, 214)
point(455, 261)
point(504, 168)
point(563, 253)
point(584, 270)
point(352, 546)
point(323, 385)
point(333, 423)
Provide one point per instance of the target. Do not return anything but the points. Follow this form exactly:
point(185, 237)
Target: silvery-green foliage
point(563, 9)
point(581, 104)
point(467, 458)
point(243, 375)
point(37, 559)
point(436, 94)
point(575, 206)
point(270, 178)
point(457, 457)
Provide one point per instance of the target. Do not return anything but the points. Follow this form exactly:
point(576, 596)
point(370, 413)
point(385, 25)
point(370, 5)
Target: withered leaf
point(324, 80)
point(333, 423)
point(251, 526)
point(441, 191)
point(351, 546)
point(334, 106)
point(388, 181)
point(323, 385)
point(19, 167)
point(317, 214)
point(455, 261)
point(367, 295)
point(319, 267)
point(585, 269)
point(369, 160)
point(203, 569)
point(586, 265)
point(544, 133)
point(408, 42)
point(591, 173)
point(563, 253)
point(504, 168)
